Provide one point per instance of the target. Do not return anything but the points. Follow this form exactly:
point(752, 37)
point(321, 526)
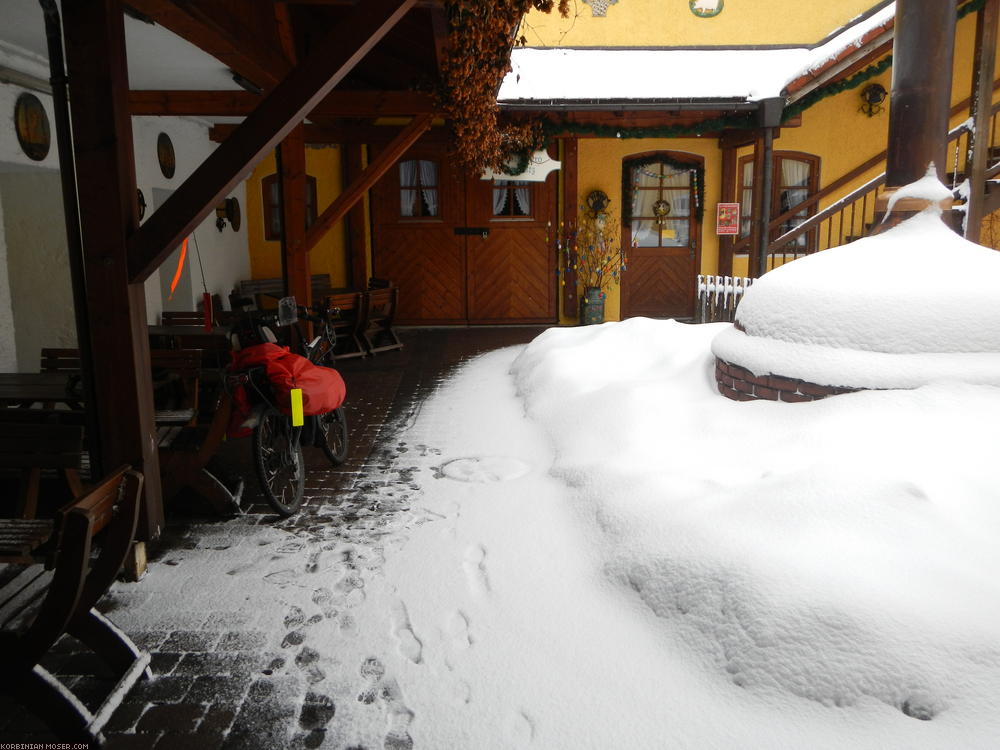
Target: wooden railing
point(849, 217)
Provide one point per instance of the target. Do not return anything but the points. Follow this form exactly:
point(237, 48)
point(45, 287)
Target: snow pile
point(840, 553)
point(897, 310)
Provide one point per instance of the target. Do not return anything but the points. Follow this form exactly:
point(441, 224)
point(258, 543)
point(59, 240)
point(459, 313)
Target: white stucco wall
point(224, 255)
point(41, 292)
point(35, 293)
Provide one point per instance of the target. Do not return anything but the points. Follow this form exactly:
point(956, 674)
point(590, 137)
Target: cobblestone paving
point(245, 647)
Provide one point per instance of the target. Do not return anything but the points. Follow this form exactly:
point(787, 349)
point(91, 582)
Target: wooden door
point(417, 207)
point(662, 232)
point(511, 274)
point(462, 249)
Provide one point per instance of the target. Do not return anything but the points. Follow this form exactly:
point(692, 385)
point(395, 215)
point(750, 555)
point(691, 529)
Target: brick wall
point(740, 384)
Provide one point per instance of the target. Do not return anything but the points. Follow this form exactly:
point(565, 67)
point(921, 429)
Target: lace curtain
point(418, 178)
point(408, 192)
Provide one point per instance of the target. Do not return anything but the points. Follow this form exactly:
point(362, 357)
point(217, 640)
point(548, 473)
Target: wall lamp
point(872, 97)
point(229, 210)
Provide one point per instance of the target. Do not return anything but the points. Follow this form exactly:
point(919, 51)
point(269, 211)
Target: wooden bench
point(28, 448)
point(267, 292)
point(39, 603)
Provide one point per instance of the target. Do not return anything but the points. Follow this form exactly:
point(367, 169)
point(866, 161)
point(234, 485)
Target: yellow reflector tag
point(297, 419)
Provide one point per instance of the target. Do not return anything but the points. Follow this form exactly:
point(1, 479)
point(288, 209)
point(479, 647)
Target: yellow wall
point(329, 256)
point(633, 23)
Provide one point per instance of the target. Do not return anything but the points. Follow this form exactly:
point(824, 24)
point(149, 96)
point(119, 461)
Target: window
point(269, 187)
point(419, 188)
point(511, 198)
point(796, 177)
point(661, 205)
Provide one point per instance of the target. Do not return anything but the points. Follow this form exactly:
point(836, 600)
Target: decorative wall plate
point(32, 125)
point(706, 8)
point(165, 155)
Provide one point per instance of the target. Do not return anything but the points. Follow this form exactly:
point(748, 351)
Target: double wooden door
point(462, 249)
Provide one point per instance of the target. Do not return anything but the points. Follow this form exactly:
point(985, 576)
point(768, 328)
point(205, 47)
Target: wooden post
point(357, 246)
point(727, 195)
point(758, 222)
point(571, 196)
point(294, 256)
point(981, 108)
point(105, 170)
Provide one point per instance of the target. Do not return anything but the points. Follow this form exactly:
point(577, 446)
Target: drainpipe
point(769, 117)
point(67, 173)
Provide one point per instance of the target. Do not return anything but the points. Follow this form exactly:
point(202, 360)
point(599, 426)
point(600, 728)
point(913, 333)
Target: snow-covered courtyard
point(602, 552)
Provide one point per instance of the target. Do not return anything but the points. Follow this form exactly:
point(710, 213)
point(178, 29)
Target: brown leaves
point(479, 44)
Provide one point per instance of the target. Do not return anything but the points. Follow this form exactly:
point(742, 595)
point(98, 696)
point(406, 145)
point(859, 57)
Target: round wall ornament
point(165, 155)
point(661, 209)
point(706, 8)
point(32, 125)
point(597, 201)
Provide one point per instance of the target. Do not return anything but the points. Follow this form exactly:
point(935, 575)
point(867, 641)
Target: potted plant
point(593, 249)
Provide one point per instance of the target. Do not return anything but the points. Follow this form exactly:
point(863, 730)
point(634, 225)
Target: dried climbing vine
point(480, 38)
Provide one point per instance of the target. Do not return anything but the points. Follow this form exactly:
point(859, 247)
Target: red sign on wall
point(727, 218)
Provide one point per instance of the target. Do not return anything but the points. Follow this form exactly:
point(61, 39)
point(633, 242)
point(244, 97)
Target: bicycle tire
point(278, 462)
point(331, 435)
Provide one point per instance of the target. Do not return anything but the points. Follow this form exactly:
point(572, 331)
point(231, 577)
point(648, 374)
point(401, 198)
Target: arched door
point(662, 228)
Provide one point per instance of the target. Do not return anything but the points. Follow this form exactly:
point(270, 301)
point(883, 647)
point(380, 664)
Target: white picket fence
point(718, 297)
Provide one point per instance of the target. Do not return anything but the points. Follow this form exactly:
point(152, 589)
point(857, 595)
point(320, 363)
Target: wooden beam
point(368, 177)
point(226, 40)
point(242, 103)
point(105, 170)
point(727, 195)
point(294, 258)
point(439, 27)
point(357, 245)
point(285, 107)
point(981, 113)
point(571, 199)
point(340, 134)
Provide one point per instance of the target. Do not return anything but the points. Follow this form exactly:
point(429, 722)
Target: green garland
point(730, 122)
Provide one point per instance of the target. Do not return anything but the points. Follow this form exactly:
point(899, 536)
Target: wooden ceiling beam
point(327, 135)
point(228, 41)
point(286, 106)
point(242, 103)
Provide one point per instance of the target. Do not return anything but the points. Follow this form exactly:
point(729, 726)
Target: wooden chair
point(345, 309)
point(267, 292)
point(379, 313)
point(177, 371)
point(60, 360)
point(30, 448)
point(40, 603)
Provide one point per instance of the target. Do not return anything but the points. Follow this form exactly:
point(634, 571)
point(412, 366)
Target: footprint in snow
point(457, 628)
point(373, 671)
point(323, 598)
point(475, 569)
point(407, 642)
point(483, 469)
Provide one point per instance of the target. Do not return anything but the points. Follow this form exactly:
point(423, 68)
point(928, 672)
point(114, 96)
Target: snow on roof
point(558, 74)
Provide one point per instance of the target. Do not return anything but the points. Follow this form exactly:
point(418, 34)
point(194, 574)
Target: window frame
point(814, 161)
point(272, 234)
point(419, 187)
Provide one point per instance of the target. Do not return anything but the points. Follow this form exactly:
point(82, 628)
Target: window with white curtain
point(511, 198)
point(795, 178)
point(419, 188)
point(656, 182)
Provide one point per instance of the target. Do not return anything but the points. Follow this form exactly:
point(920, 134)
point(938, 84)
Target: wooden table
point(27, 388)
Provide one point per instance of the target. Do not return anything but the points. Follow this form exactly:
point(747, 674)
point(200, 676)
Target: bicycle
point(329, 430)
point(277, 444)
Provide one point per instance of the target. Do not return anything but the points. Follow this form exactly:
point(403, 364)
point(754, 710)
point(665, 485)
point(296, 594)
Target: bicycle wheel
point(278, 462)
point(331, 435)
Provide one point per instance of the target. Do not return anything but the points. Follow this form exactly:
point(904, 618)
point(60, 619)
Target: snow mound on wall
point(917, 288)
point(840, 552)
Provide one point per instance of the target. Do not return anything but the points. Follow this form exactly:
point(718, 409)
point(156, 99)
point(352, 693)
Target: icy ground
point(580, 544)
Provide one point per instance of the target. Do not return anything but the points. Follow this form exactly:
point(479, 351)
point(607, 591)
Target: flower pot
point(592, 306)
